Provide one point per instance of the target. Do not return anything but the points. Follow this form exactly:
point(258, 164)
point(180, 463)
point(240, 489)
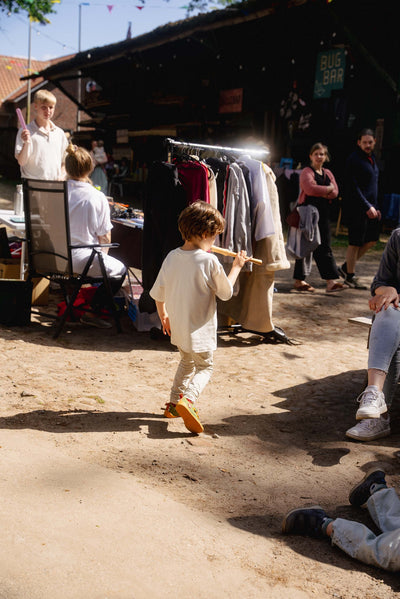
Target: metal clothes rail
point(169, 142)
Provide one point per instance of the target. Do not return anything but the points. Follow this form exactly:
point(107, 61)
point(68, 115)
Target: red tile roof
point(12, 68)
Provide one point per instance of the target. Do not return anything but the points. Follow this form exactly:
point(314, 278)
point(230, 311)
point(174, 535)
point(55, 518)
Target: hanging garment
point(193, 176)
point(165, 199)
point(262, 218)
point(237, 233)
point(252, 306)
point(302, 241)
point(219, 168)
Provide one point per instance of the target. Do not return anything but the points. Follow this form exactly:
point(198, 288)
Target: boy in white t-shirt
point(185, 293)
point(40, 147)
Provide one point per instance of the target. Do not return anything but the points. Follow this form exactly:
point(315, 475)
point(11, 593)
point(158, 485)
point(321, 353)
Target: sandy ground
point(102, 497)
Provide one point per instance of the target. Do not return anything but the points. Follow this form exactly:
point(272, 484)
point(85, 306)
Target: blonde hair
point(320, 146)
point(43, 96)
point(78, 163)
point(200, 219)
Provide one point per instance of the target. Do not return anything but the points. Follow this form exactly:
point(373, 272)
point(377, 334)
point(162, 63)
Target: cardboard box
point(10, 268)
point(40, 291)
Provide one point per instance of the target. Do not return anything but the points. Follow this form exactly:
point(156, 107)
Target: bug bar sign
point(329, 74)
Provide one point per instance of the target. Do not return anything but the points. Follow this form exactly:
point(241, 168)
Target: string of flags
point(109, 7)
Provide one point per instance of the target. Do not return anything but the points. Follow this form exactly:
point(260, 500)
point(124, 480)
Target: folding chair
point(49, 248)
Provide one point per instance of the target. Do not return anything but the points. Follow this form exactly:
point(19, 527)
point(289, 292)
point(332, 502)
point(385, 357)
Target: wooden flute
point(224, 252)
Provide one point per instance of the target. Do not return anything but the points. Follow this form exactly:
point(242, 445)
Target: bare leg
point(354, 253)
point(352, 257)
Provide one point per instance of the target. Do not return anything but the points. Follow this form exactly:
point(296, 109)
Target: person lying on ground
point(354, 538)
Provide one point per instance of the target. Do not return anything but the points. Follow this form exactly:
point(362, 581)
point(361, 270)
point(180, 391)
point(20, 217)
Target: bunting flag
point(129, 32)
point(140, 7)
point(110, 7)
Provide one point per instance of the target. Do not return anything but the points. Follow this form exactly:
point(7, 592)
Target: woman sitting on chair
point(90, 223)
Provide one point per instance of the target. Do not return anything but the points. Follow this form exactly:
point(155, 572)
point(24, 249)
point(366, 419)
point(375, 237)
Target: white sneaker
point(372, 403)
point(370, 429)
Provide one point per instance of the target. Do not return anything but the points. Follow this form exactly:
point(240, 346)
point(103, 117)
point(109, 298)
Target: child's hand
point(240, 259)
point(166, 327)
point(26, 136)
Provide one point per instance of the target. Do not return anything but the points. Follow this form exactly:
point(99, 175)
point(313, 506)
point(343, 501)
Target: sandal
point(336, 287)
point(304, 288)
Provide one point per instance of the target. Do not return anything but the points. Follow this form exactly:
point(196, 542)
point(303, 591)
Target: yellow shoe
point(190, 415)
point(170, 411)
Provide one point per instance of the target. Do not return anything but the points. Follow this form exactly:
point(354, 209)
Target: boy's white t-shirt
point(188, 283)
point(46, 152)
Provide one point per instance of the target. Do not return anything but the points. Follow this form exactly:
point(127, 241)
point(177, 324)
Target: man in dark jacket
point(361, 204)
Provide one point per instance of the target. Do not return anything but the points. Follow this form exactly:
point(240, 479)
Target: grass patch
point(341, 241)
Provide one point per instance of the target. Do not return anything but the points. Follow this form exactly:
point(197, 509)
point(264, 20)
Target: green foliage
point(204, 5)
point(36, 9)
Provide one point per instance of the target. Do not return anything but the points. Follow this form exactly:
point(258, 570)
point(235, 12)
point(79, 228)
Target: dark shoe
point(305, 521)
point(354, 283)
point(360, 494)
point(342, 272)
point(278, 335)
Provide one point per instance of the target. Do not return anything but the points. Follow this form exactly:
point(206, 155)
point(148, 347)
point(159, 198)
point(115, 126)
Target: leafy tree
point(202, 5)
point(36, 9)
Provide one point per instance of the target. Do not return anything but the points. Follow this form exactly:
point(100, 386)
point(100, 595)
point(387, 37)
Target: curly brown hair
point(200, 219)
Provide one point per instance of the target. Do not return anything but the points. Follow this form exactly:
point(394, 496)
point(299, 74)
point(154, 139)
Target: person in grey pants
point(384, 352)
point(354, 538)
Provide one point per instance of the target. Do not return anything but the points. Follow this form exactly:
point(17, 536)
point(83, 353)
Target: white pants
point(360, 542)
point(193, 373)
point(114, 268)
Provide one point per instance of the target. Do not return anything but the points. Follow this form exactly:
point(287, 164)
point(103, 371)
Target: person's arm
point(335, 188)
point(385, 286)
point(237, 265)
point(310, 186)
point(163, 315)
point(23, 155)
point(105, 239)
point(354, 178)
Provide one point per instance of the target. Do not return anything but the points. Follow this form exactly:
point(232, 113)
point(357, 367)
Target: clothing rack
point(169, 142)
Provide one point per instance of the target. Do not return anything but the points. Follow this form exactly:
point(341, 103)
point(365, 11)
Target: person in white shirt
point(185, 293)
point(40, 147)
point(90, 223)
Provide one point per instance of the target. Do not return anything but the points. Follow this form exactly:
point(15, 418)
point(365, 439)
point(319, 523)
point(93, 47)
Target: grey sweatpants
point(360, 542)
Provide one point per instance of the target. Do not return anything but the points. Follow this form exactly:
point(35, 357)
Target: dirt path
point(274, 416)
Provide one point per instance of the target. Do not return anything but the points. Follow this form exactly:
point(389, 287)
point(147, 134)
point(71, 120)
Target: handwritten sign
point(230, 100)
point(330, 71)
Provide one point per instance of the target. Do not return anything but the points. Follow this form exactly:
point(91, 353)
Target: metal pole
point(79, 30)
point(28, 99)
point(79, 73)
point(79, 81)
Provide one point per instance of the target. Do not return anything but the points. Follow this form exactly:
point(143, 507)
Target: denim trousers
point(192, 375)
point(360, 542)
point(384, 348)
